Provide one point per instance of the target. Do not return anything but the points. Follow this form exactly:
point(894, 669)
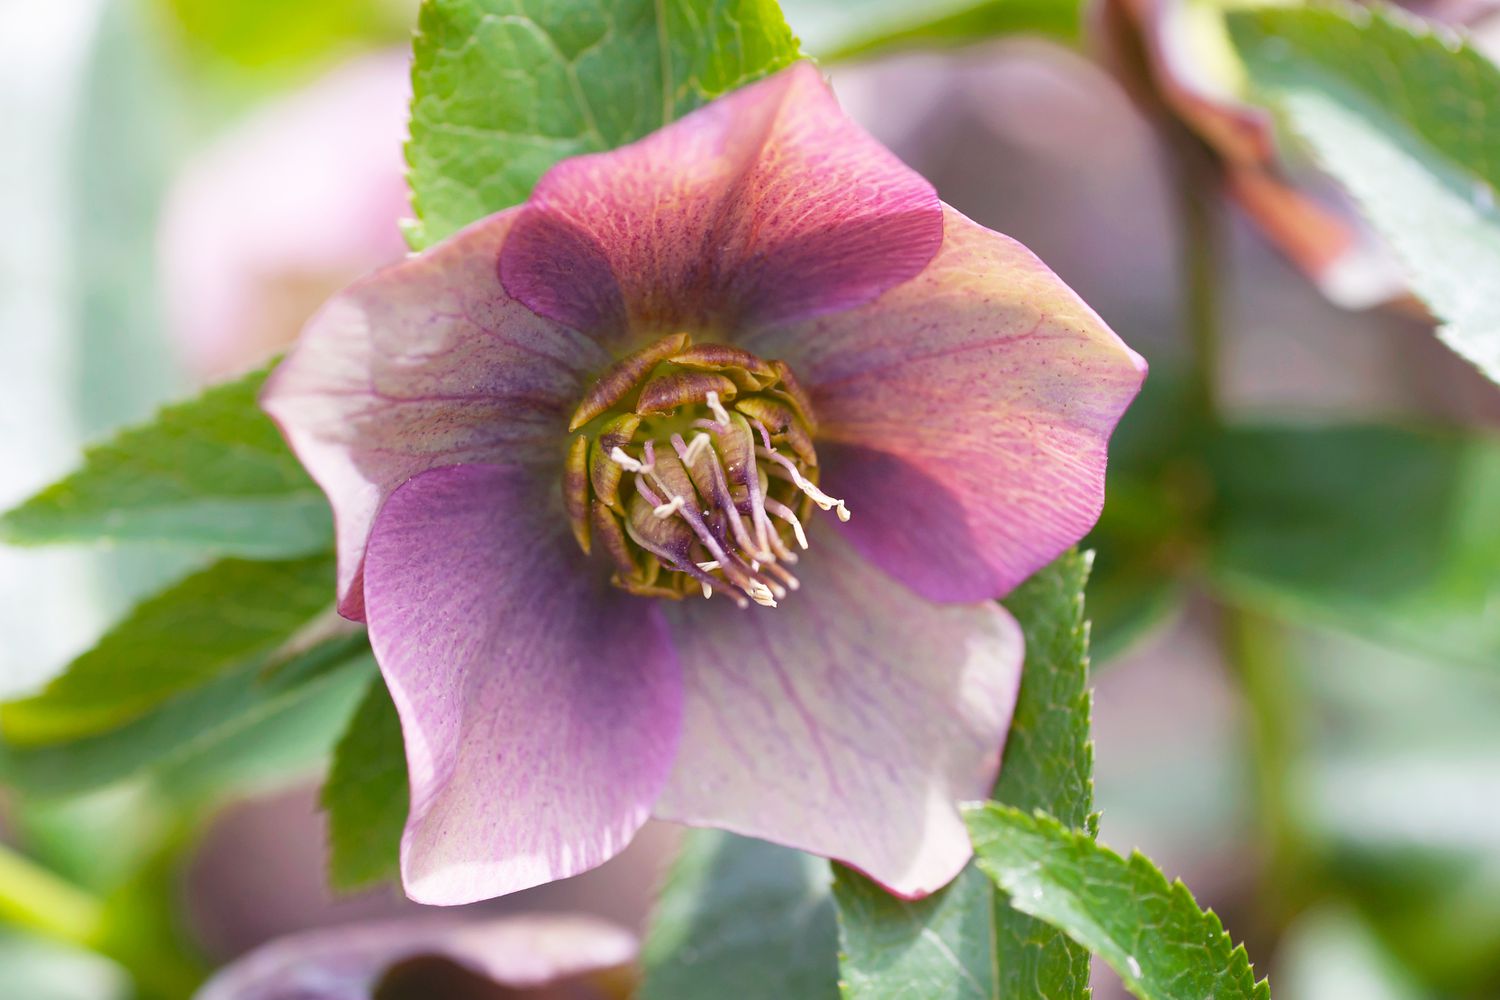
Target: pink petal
point(765, 205)
point(346, 963)
point(424, 364)
point(964, 415)
point(847, 722)
point(541, 707)
point(301, 199)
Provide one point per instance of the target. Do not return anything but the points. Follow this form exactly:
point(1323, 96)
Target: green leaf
point(1049, 758)
point(277, 36)
point(966, 941)
point(744, 915)
point(211, 473)
point(1407, 117)
point(200, 733)
point(848, 29)
point(503, 89)
point(1153, 934)
point(190, 633)
point(1387, 531)
point(366, 794)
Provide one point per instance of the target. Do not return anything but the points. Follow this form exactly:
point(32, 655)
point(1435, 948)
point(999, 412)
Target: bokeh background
point(182, 181)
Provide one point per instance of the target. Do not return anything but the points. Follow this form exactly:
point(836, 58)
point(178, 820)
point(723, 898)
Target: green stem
point(1255, 647)
point(33, 898)
point(1200, 203)
point(1252, 646)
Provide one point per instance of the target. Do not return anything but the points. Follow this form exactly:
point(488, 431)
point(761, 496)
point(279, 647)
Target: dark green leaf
point(848, 29)
point(212, 472)
point(742, 916)
point(1407, 117)
point(503, 89)
point(190, 633)
point(366, 794)
point(1153, 934)
point(966, 941)
point(1391, 532)
point(195, 731)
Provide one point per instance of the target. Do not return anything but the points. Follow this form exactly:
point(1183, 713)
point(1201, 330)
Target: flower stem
point(1252, 646)
point(34, 899)
point(1200, 207)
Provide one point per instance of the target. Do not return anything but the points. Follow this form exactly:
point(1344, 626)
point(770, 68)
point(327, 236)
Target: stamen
point(734, 536)
point(645, 492)
point(761, 594)
point(784, 575)
point(669, 508)
point(672, 562)
point(622, 459)
point(695, 448)
point(820, 498)
point(734, 568)
point(784, 512)
point(727, 505)
point(717, 408)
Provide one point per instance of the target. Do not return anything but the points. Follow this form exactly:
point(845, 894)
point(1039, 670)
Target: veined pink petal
point(424, 364)
point(541, 707)
point(848, 722)
point(964, 415)
point(346, 963)
point(765, 205)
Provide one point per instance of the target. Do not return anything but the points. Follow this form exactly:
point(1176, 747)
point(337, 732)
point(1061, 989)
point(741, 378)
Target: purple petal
point(424, 364)
point(964, 416)
point(541, 707)
point(346, 963)
point(765, 205)
point(848, 722)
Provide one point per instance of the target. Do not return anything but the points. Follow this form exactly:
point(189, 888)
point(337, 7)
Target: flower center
point(694, 471)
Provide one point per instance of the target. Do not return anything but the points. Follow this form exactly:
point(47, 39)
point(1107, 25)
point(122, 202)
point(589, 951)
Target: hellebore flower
point(282, 212)
point(545, 956)
point(702, 337)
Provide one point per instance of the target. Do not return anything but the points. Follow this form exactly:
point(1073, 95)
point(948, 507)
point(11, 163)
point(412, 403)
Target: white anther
point(669, 508)
point(717, 408)
point(784, 512)
point(707, 590)
point(624, 461)
point(710, 566)
point(820, 498)
point(761, 594)
point(695, 448)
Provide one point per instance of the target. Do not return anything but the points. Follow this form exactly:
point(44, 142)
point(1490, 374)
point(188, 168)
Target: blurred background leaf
point(1407, 117)
point(1389, 532)
point(746, 912)
point(835, 30)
